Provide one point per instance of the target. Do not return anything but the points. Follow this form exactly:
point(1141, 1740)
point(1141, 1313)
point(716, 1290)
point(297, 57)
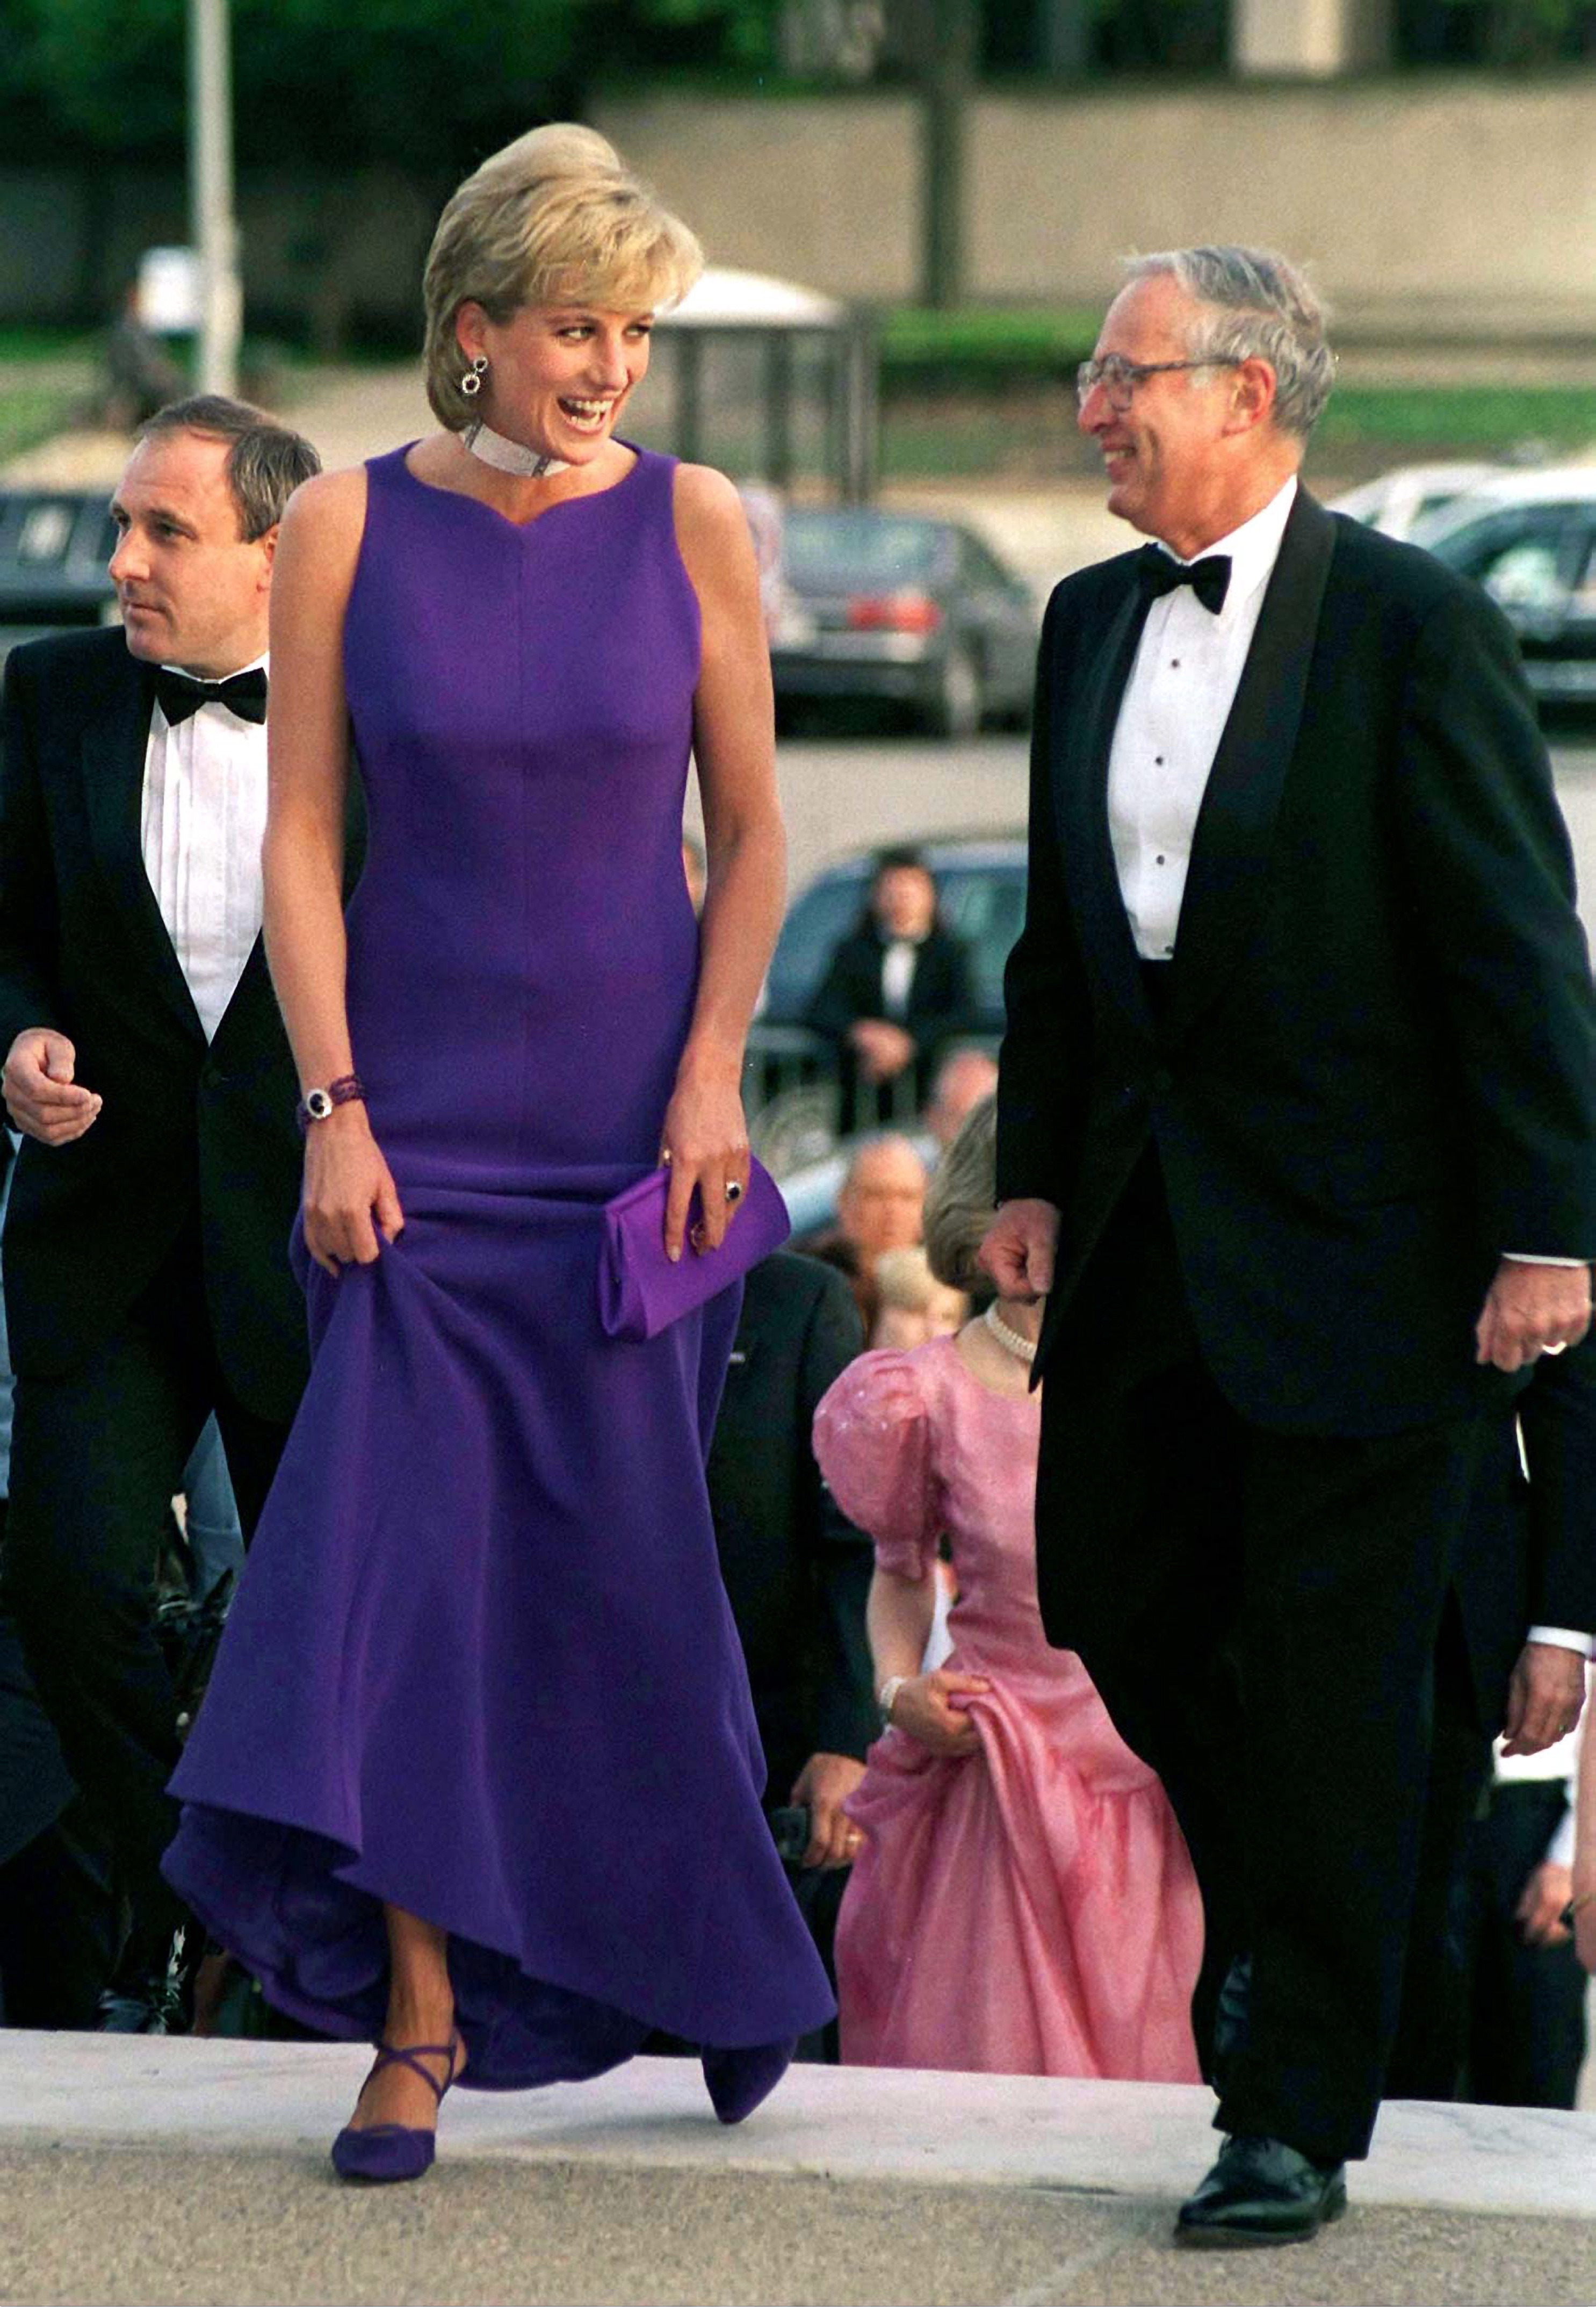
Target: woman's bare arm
point(348, 1192)
point(734, 747)
point(897, 1617)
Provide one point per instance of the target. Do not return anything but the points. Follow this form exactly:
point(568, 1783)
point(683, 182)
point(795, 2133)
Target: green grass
point(29, 345)
point(995, 338)
point(29, 414)
point(1418, 418)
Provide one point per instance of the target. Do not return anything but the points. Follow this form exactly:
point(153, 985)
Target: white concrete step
point(915, 2186)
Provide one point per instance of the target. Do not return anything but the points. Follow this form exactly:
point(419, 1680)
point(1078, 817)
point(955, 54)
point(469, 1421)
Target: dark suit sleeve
point(28, 927)
point(842, 999)
point(1042, 1065)
point(950, 1008)
point(1558, 1417)
point(1492, 878)
point(844, 1707)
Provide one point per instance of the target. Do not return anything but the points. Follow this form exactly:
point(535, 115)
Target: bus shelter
point(772, 382)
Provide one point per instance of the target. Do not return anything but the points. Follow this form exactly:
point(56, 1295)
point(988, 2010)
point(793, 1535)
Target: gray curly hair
point(1257, 306)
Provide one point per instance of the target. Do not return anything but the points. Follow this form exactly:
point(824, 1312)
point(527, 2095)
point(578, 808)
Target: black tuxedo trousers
point(1259, 1612)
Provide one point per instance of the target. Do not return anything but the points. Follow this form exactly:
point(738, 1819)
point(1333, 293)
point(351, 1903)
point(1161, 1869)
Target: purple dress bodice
point(521, 703)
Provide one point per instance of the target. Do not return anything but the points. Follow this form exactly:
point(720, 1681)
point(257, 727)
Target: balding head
point(883, 1199)
point(961, 1080)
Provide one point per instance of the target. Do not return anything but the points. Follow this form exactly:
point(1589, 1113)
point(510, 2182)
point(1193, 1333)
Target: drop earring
point(471, 382)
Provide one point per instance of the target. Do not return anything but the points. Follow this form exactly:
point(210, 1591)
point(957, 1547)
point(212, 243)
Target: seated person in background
point(796, 1572)
point(964, 1078)
point(914, 1305)
point(880, 1207)
point(1023, 1903)
point(896, 988)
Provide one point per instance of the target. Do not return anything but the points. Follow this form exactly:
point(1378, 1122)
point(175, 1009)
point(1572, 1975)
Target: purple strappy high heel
point(387, 2151)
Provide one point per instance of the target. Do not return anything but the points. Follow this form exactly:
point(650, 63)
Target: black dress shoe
point(1261, 2191)
point(150, 1998)
point(141, 2006)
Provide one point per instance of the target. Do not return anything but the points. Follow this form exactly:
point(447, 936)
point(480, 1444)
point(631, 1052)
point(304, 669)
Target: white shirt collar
point(264, 661)
point(1253, 548)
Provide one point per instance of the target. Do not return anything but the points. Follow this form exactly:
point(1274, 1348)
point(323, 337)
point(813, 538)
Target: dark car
point(54, 547)
point(1530, 540)
point(790, 1079)
point(906, 610)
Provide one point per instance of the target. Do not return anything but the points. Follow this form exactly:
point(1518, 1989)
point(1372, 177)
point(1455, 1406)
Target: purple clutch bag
point(641, 1292)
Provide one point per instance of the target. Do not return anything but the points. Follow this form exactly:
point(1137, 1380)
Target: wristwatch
point(316, 1104)
point(887, 1696)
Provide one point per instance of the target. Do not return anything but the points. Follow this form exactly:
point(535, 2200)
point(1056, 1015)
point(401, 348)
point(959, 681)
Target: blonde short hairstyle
point(958, 1207)
point(556, 218)
point(904, 1279)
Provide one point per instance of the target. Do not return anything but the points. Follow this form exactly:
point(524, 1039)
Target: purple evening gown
point(481, 1664)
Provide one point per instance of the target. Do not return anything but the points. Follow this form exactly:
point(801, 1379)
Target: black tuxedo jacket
point(938, 992)
point(184, 1126)
point(796, 1571)
point(938, 1007)
point(1376, 1068)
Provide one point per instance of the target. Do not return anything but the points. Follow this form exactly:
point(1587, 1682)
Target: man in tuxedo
point(895, 989)
point(797, 1572)
point(1493, 2001)
point(146, 1275)
point(1297, 1134)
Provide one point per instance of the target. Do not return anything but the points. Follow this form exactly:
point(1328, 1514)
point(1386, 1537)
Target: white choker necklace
point(510, 456)
point(1023, 1349)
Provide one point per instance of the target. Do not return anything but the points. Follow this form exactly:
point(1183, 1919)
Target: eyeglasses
point(1119, 377)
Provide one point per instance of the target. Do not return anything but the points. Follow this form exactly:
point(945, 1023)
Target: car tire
point(959, 703)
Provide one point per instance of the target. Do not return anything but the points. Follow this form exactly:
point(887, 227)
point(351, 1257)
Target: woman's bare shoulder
point(706, 500)
point(711, 525)
point(329, 506)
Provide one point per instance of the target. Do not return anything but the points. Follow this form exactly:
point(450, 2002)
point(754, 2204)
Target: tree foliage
point(427, 86)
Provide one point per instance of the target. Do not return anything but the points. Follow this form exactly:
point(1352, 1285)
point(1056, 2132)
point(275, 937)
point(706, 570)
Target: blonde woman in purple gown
point(1023, 1902)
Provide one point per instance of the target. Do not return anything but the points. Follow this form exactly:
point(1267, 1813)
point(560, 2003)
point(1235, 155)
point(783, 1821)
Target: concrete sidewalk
point(141, 2170)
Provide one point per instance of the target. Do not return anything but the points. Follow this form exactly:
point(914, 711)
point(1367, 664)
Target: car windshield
point(860, 549)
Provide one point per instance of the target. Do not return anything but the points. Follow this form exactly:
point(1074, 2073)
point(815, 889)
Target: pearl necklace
point(510, 456)
point(1023, 1349)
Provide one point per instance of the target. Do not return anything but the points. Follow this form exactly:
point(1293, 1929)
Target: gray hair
point(1258, 307)
point(266, 461)
point(960, 1205)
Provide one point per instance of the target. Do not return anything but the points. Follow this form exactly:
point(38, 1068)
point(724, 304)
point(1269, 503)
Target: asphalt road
point(842, 794)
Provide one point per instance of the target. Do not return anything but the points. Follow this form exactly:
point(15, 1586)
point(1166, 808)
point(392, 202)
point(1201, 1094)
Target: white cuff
point(1559, 1850)
point(1523, 1258)
point(1562, 1638)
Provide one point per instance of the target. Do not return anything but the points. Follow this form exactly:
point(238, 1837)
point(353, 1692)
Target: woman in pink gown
point(1023, 1902)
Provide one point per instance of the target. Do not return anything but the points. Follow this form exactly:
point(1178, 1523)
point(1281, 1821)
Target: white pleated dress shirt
point(202, 821)
point(1177, 702)
point(1187, 668)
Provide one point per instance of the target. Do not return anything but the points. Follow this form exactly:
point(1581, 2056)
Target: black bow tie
point(243, 693)
point(1161, 573)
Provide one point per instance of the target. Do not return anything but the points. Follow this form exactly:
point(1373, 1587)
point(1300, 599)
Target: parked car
point(54, 547)
point(790, 1080)
point(1530, 540)
point(1400, 499)
point(905, 609)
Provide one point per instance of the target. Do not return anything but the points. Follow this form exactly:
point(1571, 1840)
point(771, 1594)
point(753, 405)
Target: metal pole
point(948, 72)
point(213, 229)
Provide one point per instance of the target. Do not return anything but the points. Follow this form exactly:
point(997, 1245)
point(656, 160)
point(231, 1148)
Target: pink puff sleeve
point(872, 1440)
